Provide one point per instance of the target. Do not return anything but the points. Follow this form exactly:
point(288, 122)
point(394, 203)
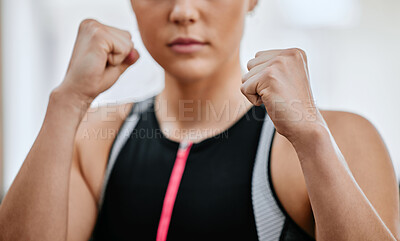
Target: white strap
point(124, 133)
point(268, 216)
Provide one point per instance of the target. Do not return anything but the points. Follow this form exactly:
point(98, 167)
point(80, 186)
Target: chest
point(226, 185)
point(214, 198)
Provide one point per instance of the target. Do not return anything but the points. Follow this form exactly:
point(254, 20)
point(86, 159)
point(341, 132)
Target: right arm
point(36, 205)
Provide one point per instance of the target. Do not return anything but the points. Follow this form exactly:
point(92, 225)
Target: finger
point(112, 73)
point(120, 48)
point(254, 99)
point(254, 71)
point(118, 55)
point(299, 53)
point(122, 35)
point(262, 57)
point(117, 31)
point(117, 70)
point(250, 88)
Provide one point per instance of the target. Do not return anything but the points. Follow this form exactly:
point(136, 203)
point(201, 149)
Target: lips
point(186, 45)
point(185, 41)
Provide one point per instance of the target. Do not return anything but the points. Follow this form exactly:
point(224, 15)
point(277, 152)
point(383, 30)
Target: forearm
point(36, 206)
point(341, 209)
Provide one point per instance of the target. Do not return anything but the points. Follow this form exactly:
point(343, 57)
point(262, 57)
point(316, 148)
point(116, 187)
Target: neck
point(212, 103)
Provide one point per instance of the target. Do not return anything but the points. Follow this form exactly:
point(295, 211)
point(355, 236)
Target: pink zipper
point(172, 189)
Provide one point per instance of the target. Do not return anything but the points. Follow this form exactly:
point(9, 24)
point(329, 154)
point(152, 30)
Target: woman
point(329, 172)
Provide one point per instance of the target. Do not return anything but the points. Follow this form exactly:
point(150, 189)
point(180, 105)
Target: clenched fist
point(101, 54)
point(279, 79)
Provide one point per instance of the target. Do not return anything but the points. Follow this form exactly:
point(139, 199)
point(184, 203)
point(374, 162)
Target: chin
point(190, 71)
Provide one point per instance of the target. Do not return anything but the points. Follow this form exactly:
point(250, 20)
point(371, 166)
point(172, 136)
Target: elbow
point(396, 233)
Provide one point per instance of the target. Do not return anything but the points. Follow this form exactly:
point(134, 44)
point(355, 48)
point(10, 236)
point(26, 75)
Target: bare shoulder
point(360, 143)
point(94, 139)
point(369, 161)
point(356, 136)
point(348, 121)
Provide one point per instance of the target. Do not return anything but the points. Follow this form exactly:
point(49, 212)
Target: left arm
point(342, 209)
point(352, 199)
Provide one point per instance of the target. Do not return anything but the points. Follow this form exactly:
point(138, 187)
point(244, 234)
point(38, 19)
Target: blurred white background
point(353, 48)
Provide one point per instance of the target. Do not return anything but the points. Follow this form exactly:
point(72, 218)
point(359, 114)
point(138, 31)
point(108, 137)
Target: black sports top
point(214, 198)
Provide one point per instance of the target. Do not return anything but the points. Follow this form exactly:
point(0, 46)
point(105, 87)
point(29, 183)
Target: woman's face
point(217, 24)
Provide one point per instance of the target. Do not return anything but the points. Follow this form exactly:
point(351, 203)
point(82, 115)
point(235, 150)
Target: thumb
point(132, 57)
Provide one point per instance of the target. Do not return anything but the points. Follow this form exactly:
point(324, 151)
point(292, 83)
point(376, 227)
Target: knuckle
point(243, 88)
point(96, 34)
point(290, 52)
point(259, 53)
point(301, 51)
point(264, 93)
point(126, 52)
point(279, 60)
point(250, 64)
point(244, 79)
point(268, 72)
point(88, 24)
point(296, 53)
point(127, 47)
point(92, 28)
point(130, 46)
point(304, 55)
point(127, 34)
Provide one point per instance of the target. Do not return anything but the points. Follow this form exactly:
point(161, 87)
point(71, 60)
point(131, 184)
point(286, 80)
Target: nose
point(184, 12)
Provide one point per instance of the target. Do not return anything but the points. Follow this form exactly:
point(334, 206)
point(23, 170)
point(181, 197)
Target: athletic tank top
point(225, 192)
